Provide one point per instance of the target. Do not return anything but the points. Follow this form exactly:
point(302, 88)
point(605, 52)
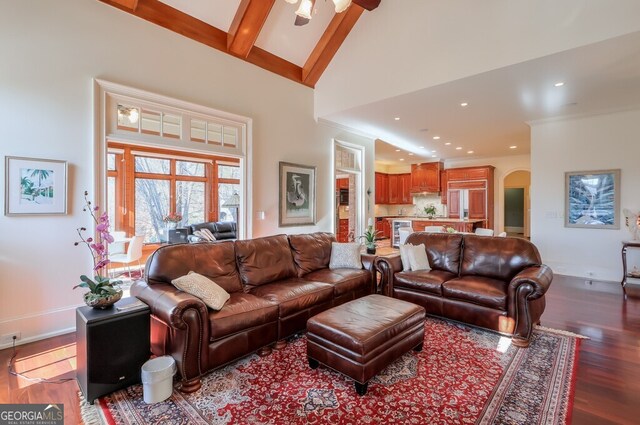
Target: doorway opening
point(348, 191)
point(517, 209)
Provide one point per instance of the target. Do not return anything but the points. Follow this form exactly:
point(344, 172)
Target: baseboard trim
point(39, 337)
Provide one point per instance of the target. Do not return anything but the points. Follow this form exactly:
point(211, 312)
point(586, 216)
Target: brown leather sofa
point(276, 283)
point(495, 283)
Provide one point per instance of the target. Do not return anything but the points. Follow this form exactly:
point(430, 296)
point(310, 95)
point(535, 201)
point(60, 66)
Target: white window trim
point(105, 92)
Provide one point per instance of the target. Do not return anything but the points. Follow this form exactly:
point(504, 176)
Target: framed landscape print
point(297, 206)
point(592, 199)
point(35, 186)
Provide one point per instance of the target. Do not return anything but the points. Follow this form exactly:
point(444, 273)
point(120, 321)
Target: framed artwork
point(35, 186)
point(592, 199)
point(297, 204)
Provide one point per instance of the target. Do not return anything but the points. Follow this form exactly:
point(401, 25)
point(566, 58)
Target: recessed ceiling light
point(397, 118)
point(447, 144)
point(421, 147)
point(463, 104)
point(433, 151)
point(401, 159)
point(512, 147)
point(459, 148)
point(397, 150)
point(436, 137)
point(469, 151)
point(434, 156)
point(559, 84)
point(410, 154)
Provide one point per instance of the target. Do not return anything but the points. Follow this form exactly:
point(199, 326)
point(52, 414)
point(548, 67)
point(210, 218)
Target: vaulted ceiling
point(261, 32)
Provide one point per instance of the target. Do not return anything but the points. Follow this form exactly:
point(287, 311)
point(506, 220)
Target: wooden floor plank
point(608, 378)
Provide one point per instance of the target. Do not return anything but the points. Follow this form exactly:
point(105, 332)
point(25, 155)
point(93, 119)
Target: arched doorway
point(517, 208)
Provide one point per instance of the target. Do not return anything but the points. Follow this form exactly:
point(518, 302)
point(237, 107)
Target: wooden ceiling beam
point(329, 43)
point(127, 4)
point(172, 19)
point(245, 28)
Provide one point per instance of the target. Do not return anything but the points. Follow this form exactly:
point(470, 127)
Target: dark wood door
point(478, 204)
point(454, 204)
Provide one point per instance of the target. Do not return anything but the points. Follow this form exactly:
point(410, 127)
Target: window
point(165, 141)
point(199, 188)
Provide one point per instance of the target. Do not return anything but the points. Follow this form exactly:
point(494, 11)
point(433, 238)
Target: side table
point(111, 346)
point(625, 272)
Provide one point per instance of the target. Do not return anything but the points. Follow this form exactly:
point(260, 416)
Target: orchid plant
point(101, 285)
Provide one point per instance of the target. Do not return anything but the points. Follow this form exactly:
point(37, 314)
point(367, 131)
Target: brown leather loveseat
point(491, 282)
point(276, 283)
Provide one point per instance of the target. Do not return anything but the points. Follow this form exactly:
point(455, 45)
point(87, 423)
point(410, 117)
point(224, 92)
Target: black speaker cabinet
point(111, 346)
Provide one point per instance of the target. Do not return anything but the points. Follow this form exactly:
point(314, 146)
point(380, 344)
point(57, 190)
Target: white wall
point(458, 38)
point(591, 143)
point(51, 51)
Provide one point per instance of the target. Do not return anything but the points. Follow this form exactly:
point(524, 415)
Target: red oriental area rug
point(463, 375)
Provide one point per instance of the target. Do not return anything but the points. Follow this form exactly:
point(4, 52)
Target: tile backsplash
point(417, 208)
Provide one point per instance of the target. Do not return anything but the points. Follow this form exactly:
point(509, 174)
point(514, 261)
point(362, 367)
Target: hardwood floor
point(608, 384)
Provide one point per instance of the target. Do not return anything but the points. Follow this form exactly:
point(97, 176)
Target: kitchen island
point(418, 224)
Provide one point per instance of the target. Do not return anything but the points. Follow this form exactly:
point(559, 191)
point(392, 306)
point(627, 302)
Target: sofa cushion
point(216, 261)
point(443, 249)
point(295, 294)
point(204, 288)
point(429, 281)
point(343, 280)
point(483, 291)
point(264, 260)
point(345, 256)
point(241, 312)
point(312, 251)
point(499, 258)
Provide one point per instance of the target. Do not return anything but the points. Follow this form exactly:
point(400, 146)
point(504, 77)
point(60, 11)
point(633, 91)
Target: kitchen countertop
point(436, 219)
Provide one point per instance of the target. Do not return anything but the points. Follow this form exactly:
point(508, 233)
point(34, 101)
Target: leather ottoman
point(362, 337)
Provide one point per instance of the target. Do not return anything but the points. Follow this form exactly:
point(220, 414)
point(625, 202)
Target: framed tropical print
point(35, 186)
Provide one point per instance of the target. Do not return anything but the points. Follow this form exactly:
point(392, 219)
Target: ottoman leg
point(313, 363)
point(418, 347)
point(361, 389)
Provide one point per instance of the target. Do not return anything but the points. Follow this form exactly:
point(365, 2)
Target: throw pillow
point(345, 256)
point(204, 288)
point(418, 257)
point(208, 235)
point(202, 235)
point(404, 257)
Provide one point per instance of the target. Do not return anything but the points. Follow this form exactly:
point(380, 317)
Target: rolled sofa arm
point(187, 319)
point(368, 263)
point(526, 301)
point(539, 277)
point(387, 267)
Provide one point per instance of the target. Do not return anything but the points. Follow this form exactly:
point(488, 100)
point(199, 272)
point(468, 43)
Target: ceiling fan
point(303, 14)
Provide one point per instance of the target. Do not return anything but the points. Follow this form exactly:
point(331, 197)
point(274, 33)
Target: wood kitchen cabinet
point(393, 188)
point(405, 189)
point(425, 177)
point(382, 188)
point(443, 187)
point(343, 230)
point(343, 183)
point(386, 228)
point(477, 182)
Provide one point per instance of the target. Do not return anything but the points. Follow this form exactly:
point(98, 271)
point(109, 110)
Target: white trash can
point(157, 379)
